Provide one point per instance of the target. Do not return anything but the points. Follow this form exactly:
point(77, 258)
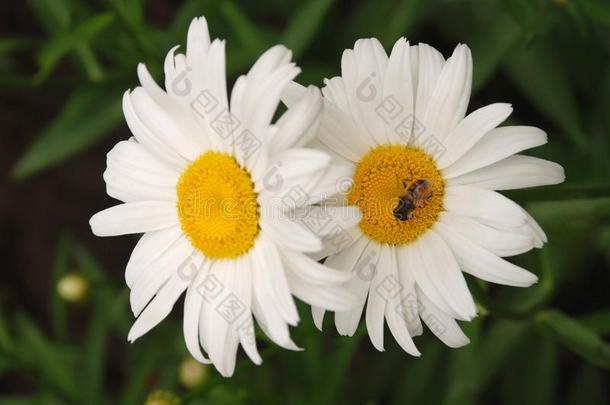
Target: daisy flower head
point(425, 177)
point(210, 180)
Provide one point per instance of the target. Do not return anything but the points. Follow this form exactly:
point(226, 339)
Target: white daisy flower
point(207, 181)
point(425, 176)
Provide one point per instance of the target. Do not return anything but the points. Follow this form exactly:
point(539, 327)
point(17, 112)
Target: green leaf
point(402, 19)
point(591, 210)
point(87, 116)
point(54, 15)
point(62, 44)
point(596, 10)
point(58, 305)
point(575, 337)
point(41, 356)
point(247, 31)
point(538, 71)
point(490, 47)
point(498, 346)
point(12, 44)
point(598, 321)
point(305, 24)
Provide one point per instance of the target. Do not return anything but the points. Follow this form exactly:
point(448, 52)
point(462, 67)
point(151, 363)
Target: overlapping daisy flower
point(208, 182)
point(425, 177)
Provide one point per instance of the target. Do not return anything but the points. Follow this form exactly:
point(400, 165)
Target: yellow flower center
point(217, 206)
point(399, 191)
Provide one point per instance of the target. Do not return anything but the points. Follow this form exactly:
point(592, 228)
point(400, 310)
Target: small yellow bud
point(73, 287)
point(192, 373)
point(162, 397)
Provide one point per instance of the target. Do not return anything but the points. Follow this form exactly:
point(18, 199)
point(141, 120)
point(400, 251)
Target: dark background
point(63, 67)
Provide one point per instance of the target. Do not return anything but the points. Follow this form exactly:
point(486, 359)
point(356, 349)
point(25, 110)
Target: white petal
point(361, 260)
point(470, 130)
point(442, 278)
point(243, 290)
point(448, 102)
point(501, 242)
point(148, 138)
point(150, 246)
point(133, 159)
point(159, 307)
point(173, 261)
point(341, 133)
point(126, 188)
point(398, 93)
point(192, 311)
point(481, 263)
point(334, 91)
point(333, 298)
point(216, 327)
point(363, 71)
point(517, 171)
point(328, 220)
point(484, 205)
point(427, 64)
point(288, 166)
point(174, 130)
point(497, 144)
point(300, 124)
point(313, 272)
point(134, 217)
point(440, 323)
point(270, 279)
point(394, 313)
point(317, 313)
point(290, 234)
point(409, 305)
point(292, 93)
point(375, 307)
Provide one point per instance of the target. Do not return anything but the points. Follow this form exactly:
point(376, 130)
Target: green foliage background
point(543, 345)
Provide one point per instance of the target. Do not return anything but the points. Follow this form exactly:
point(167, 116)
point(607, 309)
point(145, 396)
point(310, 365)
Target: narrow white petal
point(174, 260)
point(482, 263)
point(394, 313)
point(375, 307)
point(148, 139)
point(448, 102)
point(178, 131)
point(317, 313)
point(150, 246)
point(497, 144)
point(300, 124)
point(334, 91)
point(333, 298)
point(441, 276)
point(501, 242)
point(427, 64)
point(484, 205)
point(293, 93)
point(409, 305)
point(440, 323)
point(364, 85)
point(312, 271)
point(192, 310)
point(134, 217)
point(270, 278)
point(470, 130)
point(398, 94)
point(290, 234)
point(517, 171)
point(361, 260)
point(159, 307)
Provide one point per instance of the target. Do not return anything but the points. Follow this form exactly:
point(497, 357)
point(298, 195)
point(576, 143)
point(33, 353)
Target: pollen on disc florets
point(217, 206)
point(379, 182)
